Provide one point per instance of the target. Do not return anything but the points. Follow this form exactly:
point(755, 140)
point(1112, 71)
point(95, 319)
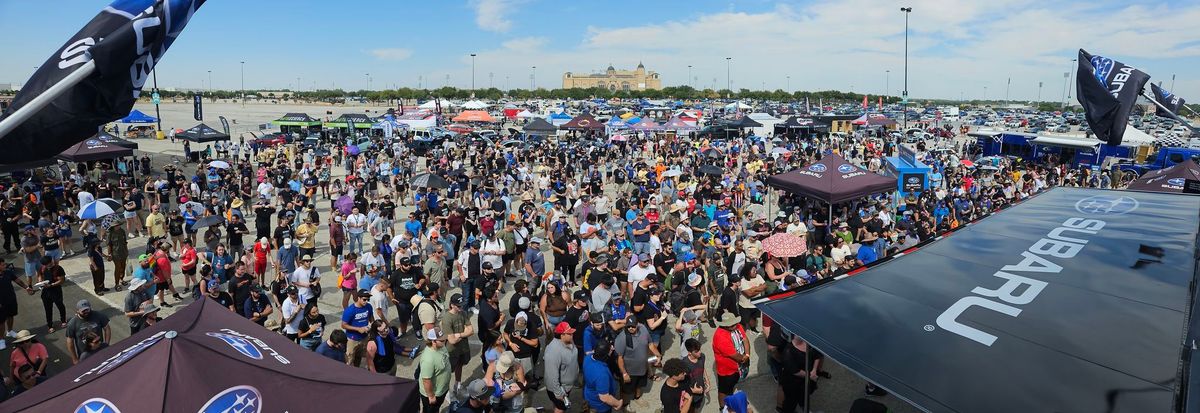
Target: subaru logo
point(92, 142)
point(1175, 181)
point(914, 180)
point(97, 405)
point(242, 345)
point(1106, 205)
point(237, 399)
point(1102, 66)
point(846, 168)
point(817, 168)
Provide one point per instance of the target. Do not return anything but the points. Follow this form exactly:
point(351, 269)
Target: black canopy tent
point(539, 126)
point(110, 139)
point(206, 358)
point(743, 122)
point(202, 133)
point(833, 180)
point(1074, 300)
point(93, 149)
point(1170, 180)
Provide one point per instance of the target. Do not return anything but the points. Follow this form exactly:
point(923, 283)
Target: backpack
point(416, 321)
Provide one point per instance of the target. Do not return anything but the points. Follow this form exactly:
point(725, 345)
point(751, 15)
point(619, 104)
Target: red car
point(460, 128)
point(267, 141)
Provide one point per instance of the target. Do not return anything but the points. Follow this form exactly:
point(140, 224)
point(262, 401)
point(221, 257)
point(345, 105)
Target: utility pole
point(1063, 102)
point(243, 84)
point(472, 72)
point(1070, 78)
point(210, 82)
point(728, 83)
point(532, 78)
point(1007, 88)
point(690, 77)
point(491, 80)
point(887, 80)
point(1039, 99)
point(904, 96)
point(297, 84)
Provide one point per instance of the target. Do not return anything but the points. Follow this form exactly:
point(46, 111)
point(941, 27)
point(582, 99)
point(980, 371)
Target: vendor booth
point(911, 175)
point(299, 123)
point(347, 121)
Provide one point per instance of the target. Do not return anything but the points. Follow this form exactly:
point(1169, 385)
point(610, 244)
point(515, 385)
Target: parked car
point(460, 128)
point(267, 141)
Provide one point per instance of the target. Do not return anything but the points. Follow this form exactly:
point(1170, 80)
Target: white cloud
point(391, 53)
point(492, 15)
point(955, 46)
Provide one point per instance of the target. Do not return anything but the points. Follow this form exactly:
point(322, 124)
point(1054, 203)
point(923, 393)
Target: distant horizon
point(956, 49)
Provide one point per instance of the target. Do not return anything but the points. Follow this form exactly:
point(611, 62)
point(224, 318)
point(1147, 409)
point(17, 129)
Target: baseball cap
point(83, 305)
point(505, 362)
point(477, 389)
point(456, 299)
point(364, 294)
point(434, 334)
point(563, 328)
point(581, 295)
point(694, 279)
point(643, 257)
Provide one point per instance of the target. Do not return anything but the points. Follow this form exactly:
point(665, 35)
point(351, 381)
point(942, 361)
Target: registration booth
point(911, 175)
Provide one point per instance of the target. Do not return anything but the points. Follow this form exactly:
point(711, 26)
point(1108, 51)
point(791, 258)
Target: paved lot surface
point(835, 395)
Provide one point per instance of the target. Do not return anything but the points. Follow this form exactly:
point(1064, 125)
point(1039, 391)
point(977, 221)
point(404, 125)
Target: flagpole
point(25, 112)
point(1160, 106)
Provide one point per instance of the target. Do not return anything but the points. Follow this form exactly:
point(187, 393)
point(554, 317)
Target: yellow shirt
point(157, 224)
point(307, 235)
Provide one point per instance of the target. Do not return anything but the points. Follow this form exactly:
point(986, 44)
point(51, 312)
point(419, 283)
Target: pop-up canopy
point(1168, 179)
point(206, 358)
point(833, 180)
point(1076, 300)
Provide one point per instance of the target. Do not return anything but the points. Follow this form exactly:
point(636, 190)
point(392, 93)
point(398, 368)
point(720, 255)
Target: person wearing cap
point(434, 371)
point(600, 390)
point(731, 351)
point(578, 317)
point(534, 263)
point(149, 316)
point(306, 236)
point(507, 379)
point(434, 267)
point(118, 252)
point(83, 322)
point(406, 281)
point(490, 319)
point(306, 278)
point(258, 306)
point(470, 272)
point(477, 398)
point(639, 272)
point(632, 349)
point(524, 337)
point(134, 300)
point(456, 325)
point(561, 366)
point(356, 319)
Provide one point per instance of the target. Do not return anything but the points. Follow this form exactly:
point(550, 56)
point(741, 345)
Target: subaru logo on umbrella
point(97, 405)
point(1175, 181)
point(817, 168)
point(846, 168)
point(1106, 205)
point(237, 399)
point(240, 344)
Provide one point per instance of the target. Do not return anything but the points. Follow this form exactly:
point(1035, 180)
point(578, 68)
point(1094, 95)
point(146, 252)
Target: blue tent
point(138, 117)
point(633, 120)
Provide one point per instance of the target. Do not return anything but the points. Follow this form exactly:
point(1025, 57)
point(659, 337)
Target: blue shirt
point(639, 225)
point(287, 258)
point(536, 261)
point(589, 339)
point(148, 275)
point(597, 380)
point(324, 350)
point(867, 254)
point(413, 227)
point(356, 317)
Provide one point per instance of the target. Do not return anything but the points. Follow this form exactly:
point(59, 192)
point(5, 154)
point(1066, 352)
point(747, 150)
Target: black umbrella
point(712, 153)
point(428, 180)
point(208, 221)
point(711, 170)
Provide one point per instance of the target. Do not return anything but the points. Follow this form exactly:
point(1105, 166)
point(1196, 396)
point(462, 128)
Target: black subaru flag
point(1167, 99)
point(1108, 90)
point(124, 41)
point(197, 107)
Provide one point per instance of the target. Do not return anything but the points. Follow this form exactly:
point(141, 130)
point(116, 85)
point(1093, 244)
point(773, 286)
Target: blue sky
point(956, 47)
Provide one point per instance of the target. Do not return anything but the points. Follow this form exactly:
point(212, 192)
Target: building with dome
point(614, 80)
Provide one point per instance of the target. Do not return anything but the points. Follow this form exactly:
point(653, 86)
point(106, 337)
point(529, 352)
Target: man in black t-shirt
point(523, 334)
point(406, 279)
point(489, 320)
point(262, 219)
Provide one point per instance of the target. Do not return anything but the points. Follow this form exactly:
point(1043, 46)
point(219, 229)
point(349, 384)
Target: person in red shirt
point(187, 265)
point(262, 250)
point(162, 274)
point(732, 354)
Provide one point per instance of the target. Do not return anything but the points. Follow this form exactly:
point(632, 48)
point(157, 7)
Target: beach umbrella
point(989, 168)
point(712, 153)
point(785, 245)
point(353, 150)
point(345, 204)
point(100, 208)
point(219, 164)
point(967, 163)
point(671, 173)
point(428, 180)
point(196, 207)
point(711, 170)
point(209, 221)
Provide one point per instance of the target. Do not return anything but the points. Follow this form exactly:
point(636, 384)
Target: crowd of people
point(586, 271)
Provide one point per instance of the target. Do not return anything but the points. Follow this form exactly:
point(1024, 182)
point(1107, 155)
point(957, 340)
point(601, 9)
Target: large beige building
point(613, 79)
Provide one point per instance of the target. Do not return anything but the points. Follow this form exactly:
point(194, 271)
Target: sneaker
point(12, 334)
point(165, 304)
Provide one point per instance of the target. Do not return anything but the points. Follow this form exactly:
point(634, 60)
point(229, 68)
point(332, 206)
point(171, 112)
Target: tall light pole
point(491, 80)
point(1172, 81)
point(1063, 102)
point(297, 84)
point(1039, 99)
point(1007, 88)
point(904, 95)
point(243, 84)
point(728, 83)
point(472, 72)
point(368, 77)
point(689, 79)
point(789, 84)
point(1070, 78)
point(985, 93)
point(210, 82)
point(532, 78)
point(887, 82)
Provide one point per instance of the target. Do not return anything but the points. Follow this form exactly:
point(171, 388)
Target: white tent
point(768, 123)
point(433, 104)
point(525, 114)
point(475, 105)
point(737, 106)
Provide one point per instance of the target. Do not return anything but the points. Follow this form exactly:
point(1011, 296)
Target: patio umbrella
point(100, 208)
point(219, 164)
point(784, 245)
point(967, 163)
point(345, 204)
point(208, 221)
point(428, 180)
point(711, 170)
